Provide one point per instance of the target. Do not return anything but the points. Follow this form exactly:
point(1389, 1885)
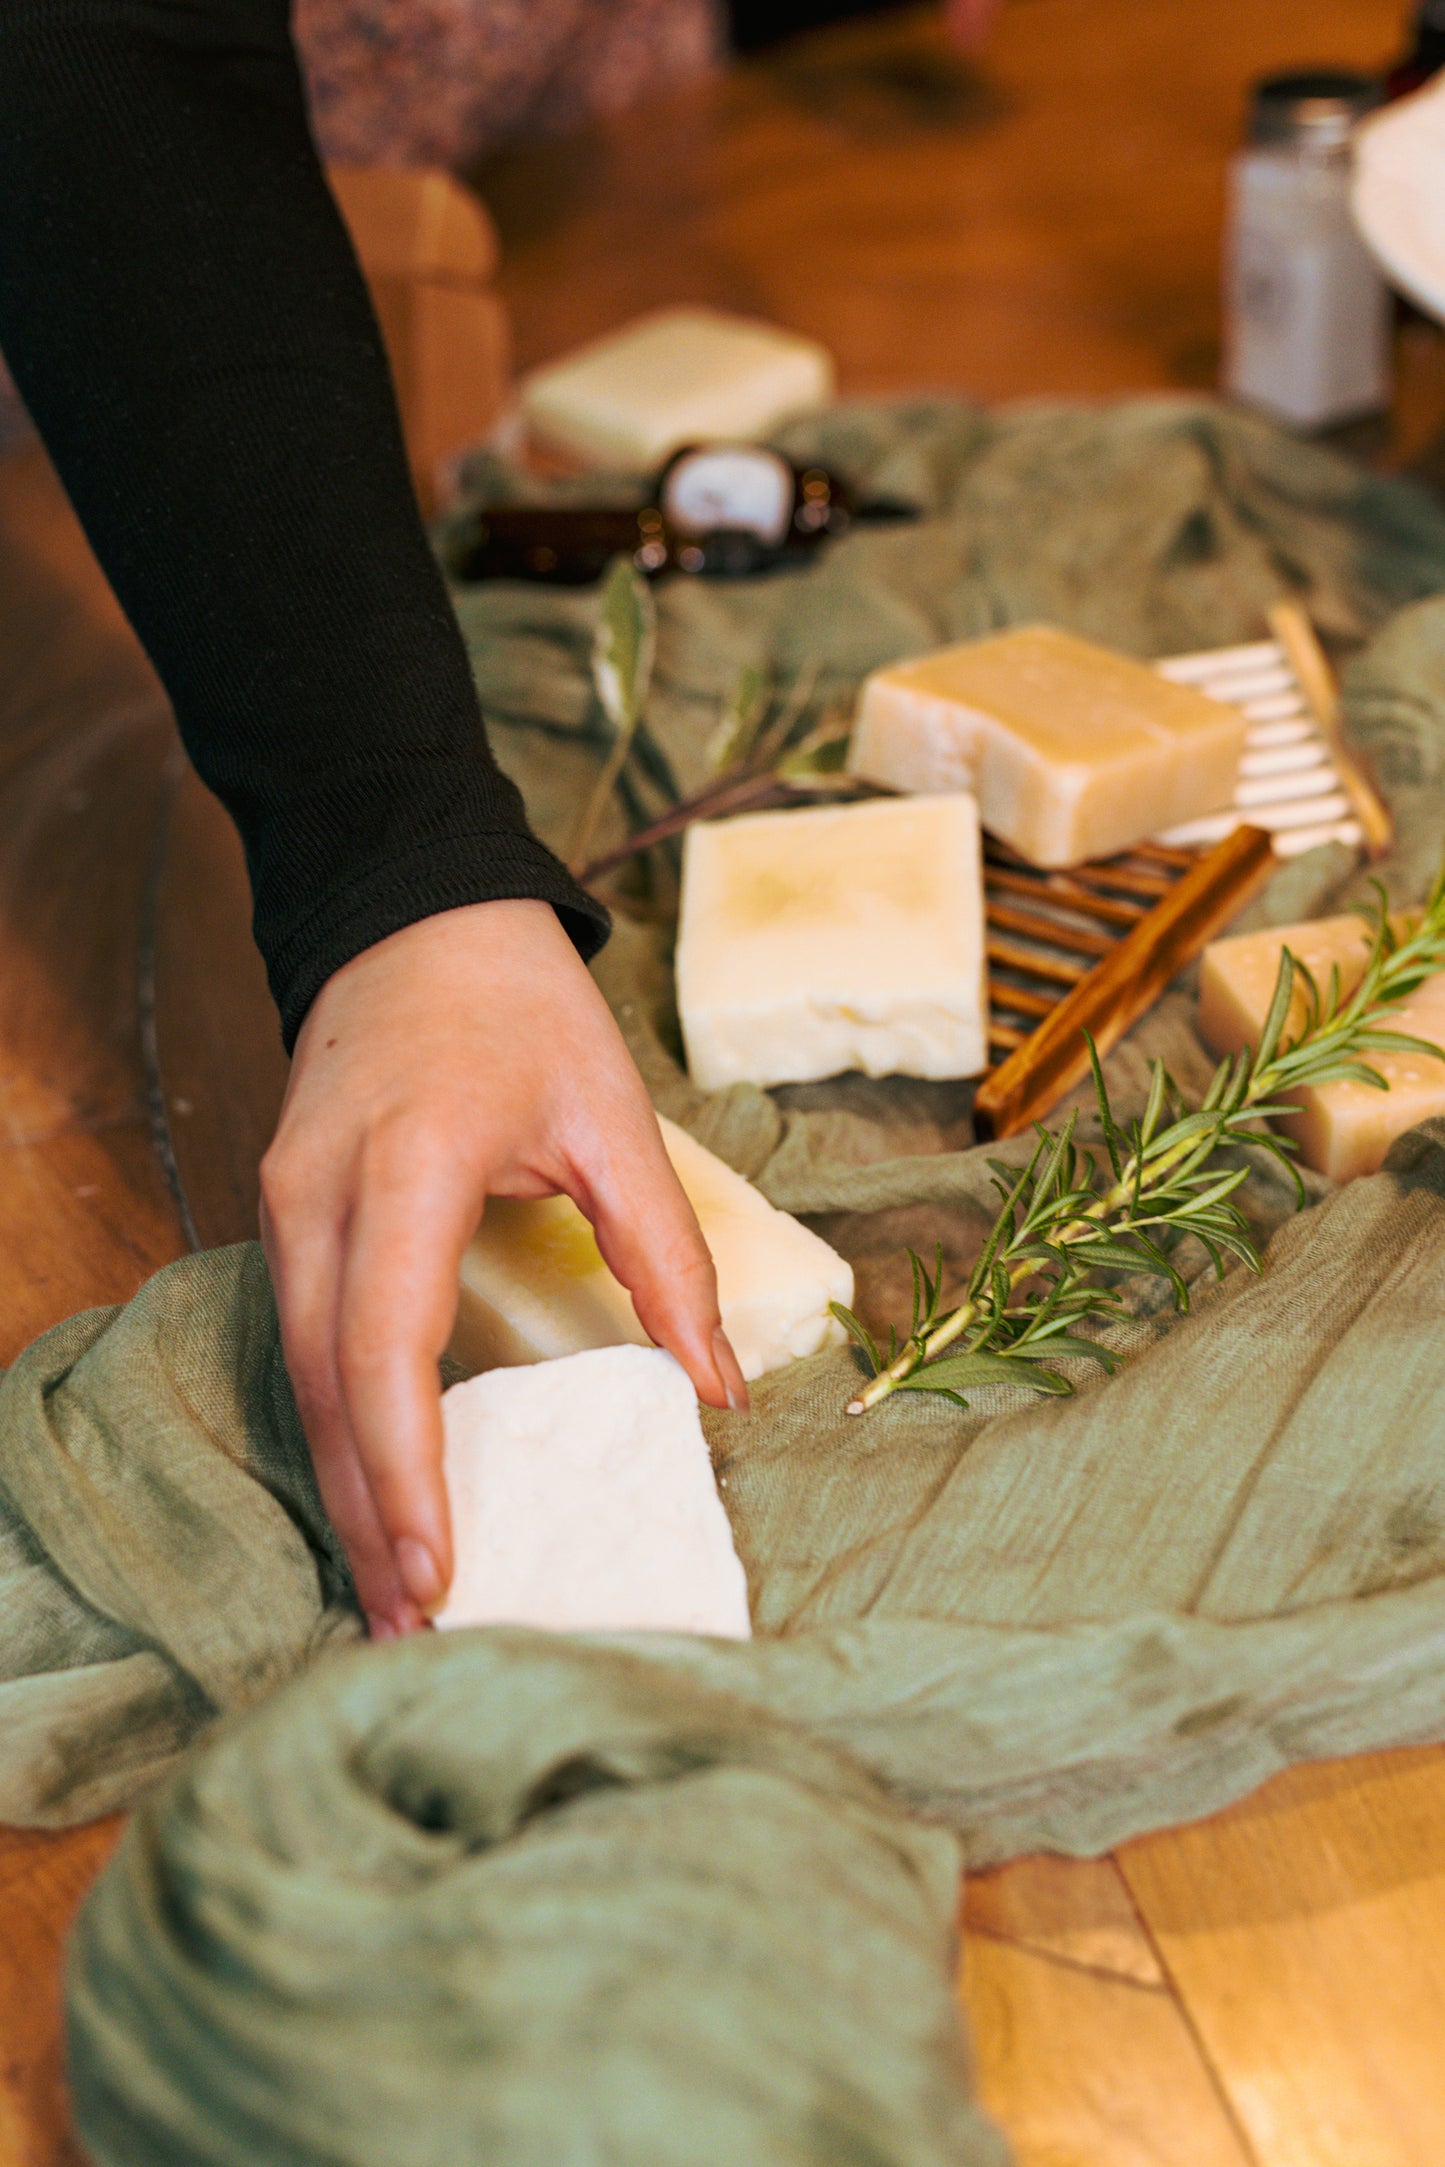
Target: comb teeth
point(1045, 1003)
point(1046, 931)
point(1288, 781)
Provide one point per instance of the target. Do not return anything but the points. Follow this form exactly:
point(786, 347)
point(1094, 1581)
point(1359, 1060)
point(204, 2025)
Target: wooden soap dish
point(1090, 950)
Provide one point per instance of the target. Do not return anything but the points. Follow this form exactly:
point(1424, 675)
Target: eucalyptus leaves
point(1066, 1217)
point(623, 649)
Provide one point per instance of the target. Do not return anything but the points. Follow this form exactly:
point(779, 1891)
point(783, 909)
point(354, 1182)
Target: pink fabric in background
point(440, 82)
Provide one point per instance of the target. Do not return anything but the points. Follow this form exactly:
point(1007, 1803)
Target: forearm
point(182, 309)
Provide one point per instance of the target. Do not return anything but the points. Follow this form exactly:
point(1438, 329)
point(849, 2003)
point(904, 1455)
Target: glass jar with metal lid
point(1307, 317)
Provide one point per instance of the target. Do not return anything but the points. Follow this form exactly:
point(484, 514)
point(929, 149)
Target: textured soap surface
point(534, 1285)
point(838, 937)
point(583, 1500)
point(1342, 1129)
point(1072, 751)
point(678, 377)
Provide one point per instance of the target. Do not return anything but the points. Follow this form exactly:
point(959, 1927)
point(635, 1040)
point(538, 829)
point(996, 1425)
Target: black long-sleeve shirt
point(182, 310)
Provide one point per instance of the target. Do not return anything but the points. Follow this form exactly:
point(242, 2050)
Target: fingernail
point(419, 1575)
point(729, 1370)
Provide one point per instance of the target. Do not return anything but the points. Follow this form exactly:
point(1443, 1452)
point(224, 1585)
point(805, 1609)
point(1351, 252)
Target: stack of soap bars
point(1128, 809)
point(862, 936)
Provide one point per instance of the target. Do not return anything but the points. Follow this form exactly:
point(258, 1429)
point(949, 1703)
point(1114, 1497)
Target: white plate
point(1398, 194)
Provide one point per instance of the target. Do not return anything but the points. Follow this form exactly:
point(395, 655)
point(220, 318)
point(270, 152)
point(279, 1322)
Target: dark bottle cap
point(1424, 55)
point(1311, 109)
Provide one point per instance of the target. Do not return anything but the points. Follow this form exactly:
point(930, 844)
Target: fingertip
point(421, 1576)
point(397, 1622)
point(730, 1373)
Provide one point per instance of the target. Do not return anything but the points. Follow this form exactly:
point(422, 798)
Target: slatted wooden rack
point(1089, 951)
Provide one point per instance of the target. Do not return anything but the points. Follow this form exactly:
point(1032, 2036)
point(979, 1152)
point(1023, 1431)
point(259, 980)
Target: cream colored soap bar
point(1071, 751)
point(583, 1500)
point(840, 937)
point(678, 377)
point(534, 1285)
point(1342, 1129)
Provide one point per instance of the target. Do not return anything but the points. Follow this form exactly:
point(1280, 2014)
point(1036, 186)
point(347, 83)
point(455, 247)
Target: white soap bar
point(583, 1500)
point(840, 937)
point(1342, 1129)
point(534, 1285)
point(1072, 752)
point(678, 377)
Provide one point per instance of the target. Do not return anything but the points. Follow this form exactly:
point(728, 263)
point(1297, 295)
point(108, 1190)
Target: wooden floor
point(1267, 1987)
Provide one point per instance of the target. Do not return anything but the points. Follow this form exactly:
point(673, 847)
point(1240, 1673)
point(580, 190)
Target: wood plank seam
point(1104, 1972)
point(157, 1114)
point(1186, 2017)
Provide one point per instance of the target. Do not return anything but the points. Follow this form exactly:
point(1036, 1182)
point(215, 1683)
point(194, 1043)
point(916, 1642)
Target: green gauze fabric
point(1157, 525)
point(1050, 1625)
point(493, 1897)
point(1045, 1625)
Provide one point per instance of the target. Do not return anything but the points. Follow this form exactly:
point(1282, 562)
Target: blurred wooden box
point(429, 252)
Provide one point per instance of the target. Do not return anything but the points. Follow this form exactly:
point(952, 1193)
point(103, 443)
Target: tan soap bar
point(534, 1284)
point(1342, 1129)
point(679, 376)
point(839, 937)
point(1072, 752)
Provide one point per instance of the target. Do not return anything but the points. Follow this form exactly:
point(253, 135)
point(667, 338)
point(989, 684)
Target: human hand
point(469, 1055)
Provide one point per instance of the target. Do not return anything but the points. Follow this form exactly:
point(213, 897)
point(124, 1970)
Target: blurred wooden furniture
point(429, 252)
point(1265, 1989)
point(87, 754)
point(1043, 221)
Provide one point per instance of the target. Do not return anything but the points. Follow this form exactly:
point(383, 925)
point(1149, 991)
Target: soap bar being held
point(677, 377)
point(534, 1285)
point(1072, 752)
point(1342, 1129)
point(583, 1500)
point(838, 937)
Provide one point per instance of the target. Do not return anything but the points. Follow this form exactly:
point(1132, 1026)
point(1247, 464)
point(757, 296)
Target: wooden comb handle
point(1117, 991)
point(1296, 635)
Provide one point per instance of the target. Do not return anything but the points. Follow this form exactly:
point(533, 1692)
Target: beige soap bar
point(1072, 752)
point(678, 377)
point(583, 1500)
point(840, 937)
point(1342, 1129)
point(534, 1285)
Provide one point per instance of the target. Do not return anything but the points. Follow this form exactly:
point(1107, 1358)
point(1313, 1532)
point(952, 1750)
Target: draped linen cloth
point(1033, 1625)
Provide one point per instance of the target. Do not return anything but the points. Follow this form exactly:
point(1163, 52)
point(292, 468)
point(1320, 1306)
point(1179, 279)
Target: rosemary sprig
point(1064, 1218)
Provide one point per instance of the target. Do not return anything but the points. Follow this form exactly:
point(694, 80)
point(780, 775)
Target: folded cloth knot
point(503, 1897)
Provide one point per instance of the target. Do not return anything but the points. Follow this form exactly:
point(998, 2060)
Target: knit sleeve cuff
point(446, 873)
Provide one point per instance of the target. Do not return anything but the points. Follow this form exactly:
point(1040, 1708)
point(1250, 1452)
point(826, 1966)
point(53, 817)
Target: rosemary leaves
point(1071, 1215)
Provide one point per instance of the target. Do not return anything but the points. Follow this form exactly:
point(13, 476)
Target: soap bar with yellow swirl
point(534, 1285)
